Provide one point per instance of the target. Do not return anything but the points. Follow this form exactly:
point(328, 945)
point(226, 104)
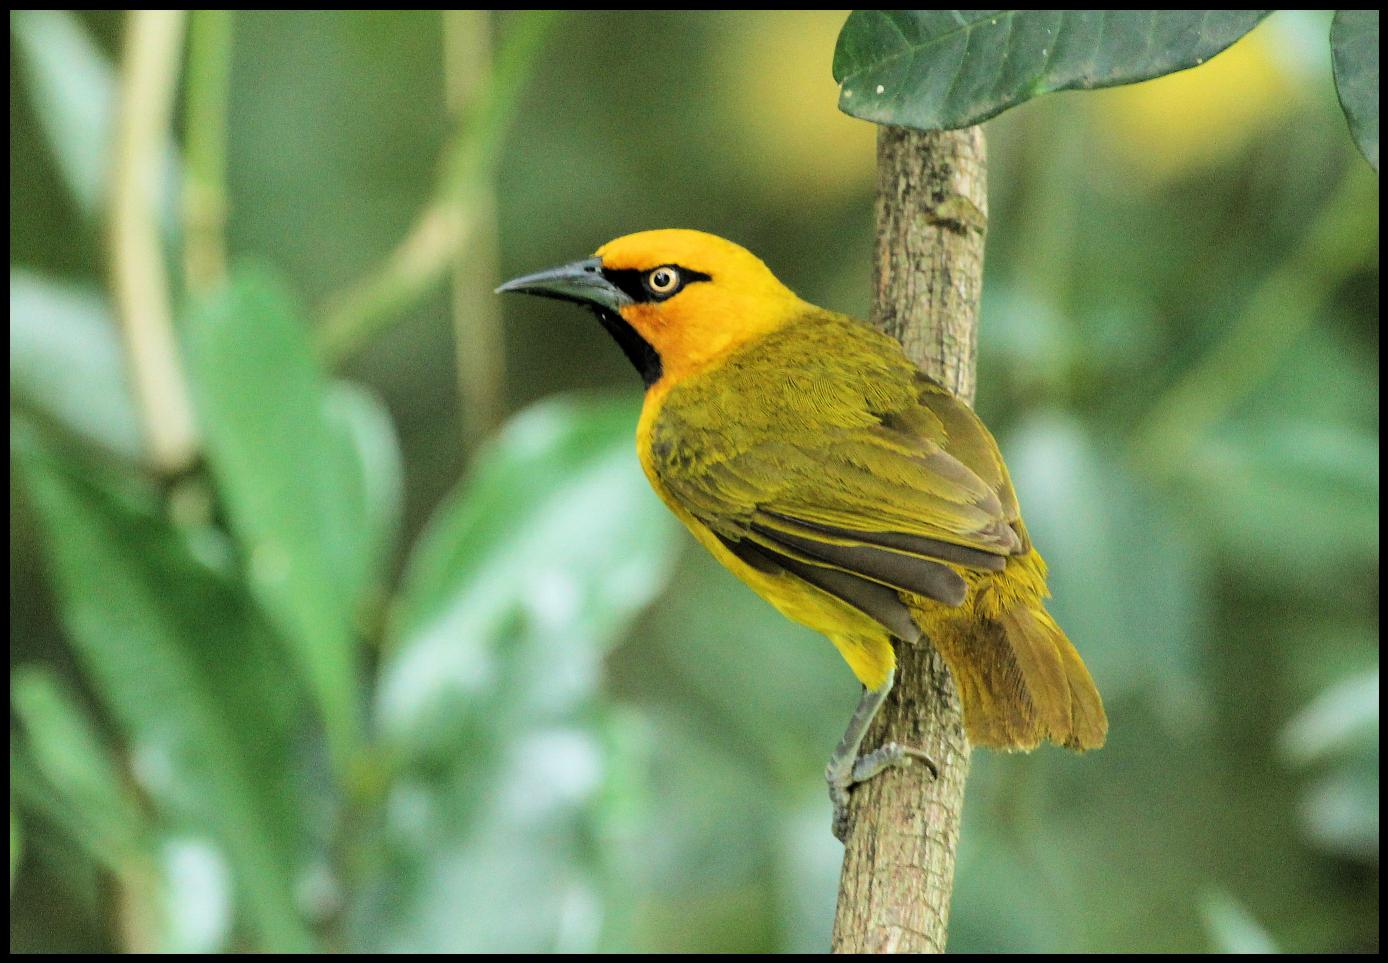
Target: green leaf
point(73, 88)
point(1340, 716)
point(195, 895)
point(558, 528)
point(376, 482)
point(1340, 809)
point(183, 664)
point(1354, 53)
point(1340, 727)
point(943, 69)
point(289, 482)
point(68, 776)
point(489, 697)
point(66, 362)
point(1232, 928)
point(1297, 496)
point(77, 771)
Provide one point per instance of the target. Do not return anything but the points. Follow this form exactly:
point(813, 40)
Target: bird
point(807, 453)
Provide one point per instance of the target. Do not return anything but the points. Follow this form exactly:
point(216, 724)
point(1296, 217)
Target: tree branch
point(898, 863)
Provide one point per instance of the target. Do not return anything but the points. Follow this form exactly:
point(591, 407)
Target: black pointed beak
point(582, 282)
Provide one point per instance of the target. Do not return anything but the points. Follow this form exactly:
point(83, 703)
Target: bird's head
point(674, 300)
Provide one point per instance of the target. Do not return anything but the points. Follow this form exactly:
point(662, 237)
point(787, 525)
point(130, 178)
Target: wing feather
point(915, 545)
point(906, 573)
point(822, 452)
point(876, 601)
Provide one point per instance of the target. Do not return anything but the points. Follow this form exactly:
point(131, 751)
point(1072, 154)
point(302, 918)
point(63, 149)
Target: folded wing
point(893, 494)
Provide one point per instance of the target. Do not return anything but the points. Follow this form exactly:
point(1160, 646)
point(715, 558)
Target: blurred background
point(402, 653)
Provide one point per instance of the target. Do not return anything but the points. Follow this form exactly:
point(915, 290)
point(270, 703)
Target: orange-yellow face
point(675, 300)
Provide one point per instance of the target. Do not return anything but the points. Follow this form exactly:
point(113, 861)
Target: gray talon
point(892, 754)
point(840, 826)
point(846, 768)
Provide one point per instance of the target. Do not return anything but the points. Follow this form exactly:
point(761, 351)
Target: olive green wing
point(859, 502)
point(846, 475)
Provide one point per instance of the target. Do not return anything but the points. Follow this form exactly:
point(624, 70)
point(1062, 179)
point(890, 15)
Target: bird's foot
point(842, 776)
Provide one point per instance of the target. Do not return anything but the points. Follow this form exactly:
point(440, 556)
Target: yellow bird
point(854, 493)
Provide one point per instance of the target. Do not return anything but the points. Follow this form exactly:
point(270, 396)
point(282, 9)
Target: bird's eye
point(663, 280)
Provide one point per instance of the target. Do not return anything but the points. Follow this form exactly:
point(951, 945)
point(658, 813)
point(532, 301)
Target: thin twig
point(139, 280)
point(208, 87)
point(450, 220)
point(478, 344)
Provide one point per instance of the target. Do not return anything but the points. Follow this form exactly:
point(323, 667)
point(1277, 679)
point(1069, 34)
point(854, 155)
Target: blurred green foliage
point(318, 692)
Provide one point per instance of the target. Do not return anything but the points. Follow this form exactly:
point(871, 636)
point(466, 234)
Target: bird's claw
point(838, 795)
point(842, 779)
point(891, 754)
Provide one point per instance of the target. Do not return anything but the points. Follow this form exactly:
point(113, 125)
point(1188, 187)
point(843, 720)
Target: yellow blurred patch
point(1199, 116)
point(786, 126)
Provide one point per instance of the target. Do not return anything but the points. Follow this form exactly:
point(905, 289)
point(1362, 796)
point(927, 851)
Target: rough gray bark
point(898, 863)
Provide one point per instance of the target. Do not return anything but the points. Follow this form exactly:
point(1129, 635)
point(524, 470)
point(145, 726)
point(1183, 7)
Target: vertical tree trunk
point(898, 863)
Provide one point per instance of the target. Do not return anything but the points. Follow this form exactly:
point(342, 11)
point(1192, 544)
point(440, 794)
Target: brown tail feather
point(1021, 682)
point(1090, 724)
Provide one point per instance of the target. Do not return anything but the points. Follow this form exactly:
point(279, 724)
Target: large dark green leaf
point(942, 69)
point(185, 666)
point(288, 473)
point(489, 698)
point(1354, 51)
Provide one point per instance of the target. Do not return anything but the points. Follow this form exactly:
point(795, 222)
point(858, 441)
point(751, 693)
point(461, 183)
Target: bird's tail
point(1019, 678)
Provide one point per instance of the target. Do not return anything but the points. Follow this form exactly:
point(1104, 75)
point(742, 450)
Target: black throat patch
point(637, 349)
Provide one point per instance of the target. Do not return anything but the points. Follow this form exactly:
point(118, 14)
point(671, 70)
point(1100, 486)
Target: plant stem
point(898, 861)
point(450, 221)
point(478, 343)
point(207, 89)
point(139, 278)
